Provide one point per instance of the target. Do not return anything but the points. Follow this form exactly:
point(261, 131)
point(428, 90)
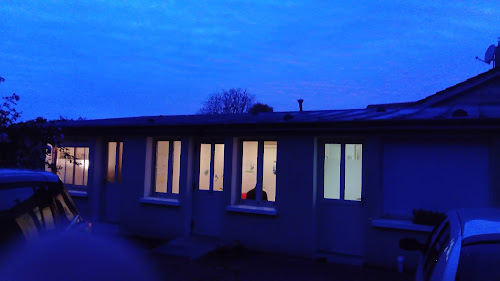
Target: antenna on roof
point(491, 54)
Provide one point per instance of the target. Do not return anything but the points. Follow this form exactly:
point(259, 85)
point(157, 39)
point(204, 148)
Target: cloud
point(329, 52)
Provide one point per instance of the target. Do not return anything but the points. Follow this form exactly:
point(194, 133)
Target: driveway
point(239, 264)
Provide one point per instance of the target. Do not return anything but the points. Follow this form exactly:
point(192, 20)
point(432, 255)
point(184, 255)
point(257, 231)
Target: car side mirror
point(410, 244)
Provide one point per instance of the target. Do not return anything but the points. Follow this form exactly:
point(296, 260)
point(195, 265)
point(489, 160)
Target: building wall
point(136, 217)
point(399, 174)
point(434, 173)
point(292, 230)
point(383, 248)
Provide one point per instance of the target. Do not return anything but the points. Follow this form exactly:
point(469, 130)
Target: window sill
point(401, 224)
point(343, 201)
point(160, 201)
point(78, 193)
point(269, 211)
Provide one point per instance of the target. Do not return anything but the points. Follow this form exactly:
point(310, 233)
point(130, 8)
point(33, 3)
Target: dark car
point(33, 204)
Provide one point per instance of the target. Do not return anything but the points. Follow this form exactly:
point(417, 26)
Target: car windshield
point(479, 261)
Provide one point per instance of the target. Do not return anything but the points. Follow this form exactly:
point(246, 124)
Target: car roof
point(480, 221)
point(22, 175)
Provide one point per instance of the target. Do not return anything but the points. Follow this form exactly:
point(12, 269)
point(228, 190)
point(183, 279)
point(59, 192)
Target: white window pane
point(79, 165)
point(72, 165)
point(218, 167)
point(205, 150)
point(249, 166)
point(176, 162)
point(48, 158)
point(353, 173)
point(61, 163)
point(86, 167)
point(68, 176)
point(161, 173)
point(110, 175)
point(269, 176)
point(332, 171)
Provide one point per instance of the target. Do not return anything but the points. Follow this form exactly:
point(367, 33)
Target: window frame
point(260, 173)
point(55, 157)
point(321, 168)
point(170, 169)
point(117, 178)
point(212, 143)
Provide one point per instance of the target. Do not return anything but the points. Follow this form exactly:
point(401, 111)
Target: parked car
point(464, 246)
point(33, 204)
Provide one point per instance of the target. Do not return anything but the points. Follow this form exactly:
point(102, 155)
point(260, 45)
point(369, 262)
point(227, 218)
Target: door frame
point(200, 197)
point(330, 211)
point(111, 190)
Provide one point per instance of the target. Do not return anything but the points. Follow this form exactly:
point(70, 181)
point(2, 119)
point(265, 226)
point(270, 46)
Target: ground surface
point(237, 263)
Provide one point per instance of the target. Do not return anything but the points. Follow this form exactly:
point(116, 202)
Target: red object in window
point(244, 195)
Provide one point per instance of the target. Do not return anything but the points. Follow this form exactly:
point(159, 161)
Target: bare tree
point(230, 101)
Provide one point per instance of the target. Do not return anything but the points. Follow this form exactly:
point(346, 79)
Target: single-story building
point(341, 184)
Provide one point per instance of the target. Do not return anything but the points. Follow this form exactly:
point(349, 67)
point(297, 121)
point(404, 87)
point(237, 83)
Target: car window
point(45, 207)
point(479, 261)
point(65, 210)
point(28, 210)
point(13, 205)
point(438, 244)
point(11, 197)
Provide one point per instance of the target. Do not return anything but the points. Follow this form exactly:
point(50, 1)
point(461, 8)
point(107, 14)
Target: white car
point(465, 246)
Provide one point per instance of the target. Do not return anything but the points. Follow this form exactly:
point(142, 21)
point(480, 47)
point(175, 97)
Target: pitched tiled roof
point(460, 87)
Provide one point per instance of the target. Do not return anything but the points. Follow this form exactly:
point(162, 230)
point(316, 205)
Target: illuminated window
point(258, 170)
point(343, 171)
point(211, 176)
point(72, 165)
point(114, 171)
point(49, 152)
point(167, 167)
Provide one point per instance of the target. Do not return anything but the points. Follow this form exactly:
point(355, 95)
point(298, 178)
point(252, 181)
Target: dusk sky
point(105, 59)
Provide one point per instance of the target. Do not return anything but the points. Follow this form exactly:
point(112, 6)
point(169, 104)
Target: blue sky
point(103, 59)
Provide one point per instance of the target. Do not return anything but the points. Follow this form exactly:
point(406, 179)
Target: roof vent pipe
point(300, 104)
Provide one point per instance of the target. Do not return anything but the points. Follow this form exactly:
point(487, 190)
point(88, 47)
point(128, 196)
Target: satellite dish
point(490, 53)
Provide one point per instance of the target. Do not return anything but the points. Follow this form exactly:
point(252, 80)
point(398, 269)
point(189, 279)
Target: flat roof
point(426, 109)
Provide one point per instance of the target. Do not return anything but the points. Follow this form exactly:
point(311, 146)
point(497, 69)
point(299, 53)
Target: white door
point(113, 182)
point(341, 217)
point(208, 204)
